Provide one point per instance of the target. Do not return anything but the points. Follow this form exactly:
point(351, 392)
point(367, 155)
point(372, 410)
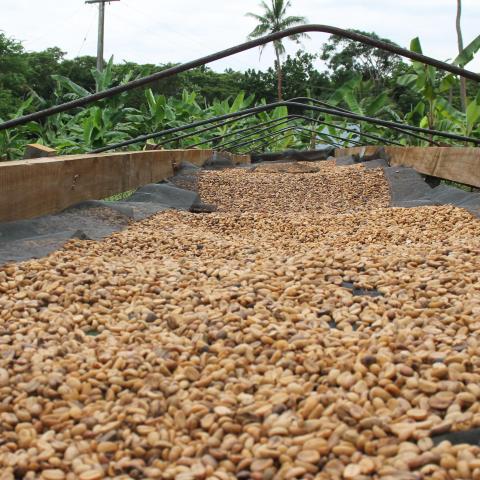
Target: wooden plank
point(459, 164)
point(241, 159)
point(345, 152)
point(35, 150)
point(29, 188)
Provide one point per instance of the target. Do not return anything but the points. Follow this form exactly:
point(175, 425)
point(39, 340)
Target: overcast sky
point(161, 31)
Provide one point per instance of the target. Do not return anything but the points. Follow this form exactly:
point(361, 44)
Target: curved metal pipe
point(264, 108)
point(234, 143)
point(268, 143)
point(351, 130)
point(228, 122)
point(212, 127)
point(277, 121)
point(345, 140)
point(328, 105)
point(169, 72)
point(295, 116)
point(271, 136)
point(279, 132)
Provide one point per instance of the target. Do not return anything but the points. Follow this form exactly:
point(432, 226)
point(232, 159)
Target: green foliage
point(344, 56)
point(372, 84)
point(434, 110)
point(468, 53)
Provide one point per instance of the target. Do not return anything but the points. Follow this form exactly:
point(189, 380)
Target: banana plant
point(435, 111)
point(12, 142)
point(355, 95)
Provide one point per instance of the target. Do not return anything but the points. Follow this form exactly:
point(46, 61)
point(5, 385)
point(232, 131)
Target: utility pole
point(101, 29)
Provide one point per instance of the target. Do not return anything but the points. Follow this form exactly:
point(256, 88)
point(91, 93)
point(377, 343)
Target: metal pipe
point(351, 130)
point(212, 127)
point(328, 105)
point(271, 138)
point(264, 108)
point(219, 137)
point(366, 135)
point(355, 142)
point(188, 126)
point(233, 143)
point(169, 72)
point(255, 140)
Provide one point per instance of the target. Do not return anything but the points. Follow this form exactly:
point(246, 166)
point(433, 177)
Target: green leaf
point(468, 53)
point(424, 122)
point(152, 104)
point(473, 114)
point(377, 104)
point(446, 84)
point(78, 90)
point(238, 102)
point(352, 102)
point(407, 80)
point(416, 46)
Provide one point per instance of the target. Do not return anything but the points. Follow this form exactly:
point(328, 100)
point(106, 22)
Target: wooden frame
point(30, 188)
point(459, 164)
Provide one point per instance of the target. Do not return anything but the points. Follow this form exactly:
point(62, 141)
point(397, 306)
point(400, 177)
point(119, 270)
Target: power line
point(90, 25)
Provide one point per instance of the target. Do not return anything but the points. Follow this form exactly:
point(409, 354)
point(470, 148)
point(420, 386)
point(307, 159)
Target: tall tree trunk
point(463, 83)
point(279, 75)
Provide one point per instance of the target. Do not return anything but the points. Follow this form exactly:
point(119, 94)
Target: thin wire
point(92, 21)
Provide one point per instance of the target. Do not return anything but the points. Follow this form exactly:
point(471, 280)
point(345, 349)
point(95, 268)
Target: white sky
point(159, 31)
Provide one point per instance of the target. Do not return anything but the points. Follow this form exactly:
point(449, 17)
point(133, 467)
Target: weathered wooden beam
point(29, 188)
point(458, 164)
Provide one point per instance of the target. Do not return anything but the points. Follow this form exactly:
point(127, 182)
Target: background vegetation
point(356, 77)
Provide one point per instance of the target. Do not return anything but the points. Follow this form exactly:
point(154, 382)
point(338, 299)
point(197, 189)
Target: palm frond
point(296, 38)
point(296, 19)
point(259, 31)
point(255, 16)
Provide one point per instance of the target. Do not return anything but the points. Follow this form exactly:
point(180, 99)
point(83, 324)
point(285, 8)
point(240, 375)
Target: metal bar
point(214, 119)
point(264, 108)
point(219, 137)
point(256, 132)
point(355, 142)
point(328, 105)
point(233, 143)
point(351, 130)
point(169, 72)
point(185, 127)
point(212, 127)
point(366, 135)
point(273, 136)
point(255, 140)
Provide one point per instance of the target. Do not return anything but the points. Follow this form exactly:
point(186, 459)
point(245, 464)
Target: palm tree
point(463, 83)
point(274, 19)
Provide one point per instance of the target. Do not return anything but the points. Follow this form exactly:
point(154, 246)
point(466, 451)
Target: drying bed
point(290, 334)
